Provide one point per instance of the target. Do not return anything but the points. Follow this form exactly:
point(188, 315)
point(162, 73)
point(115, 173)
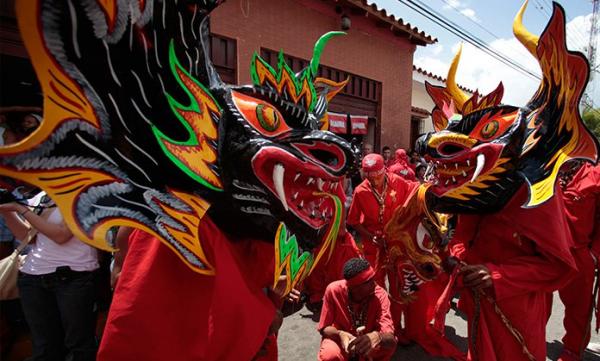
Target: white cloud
point(461, 7)
point(470, 13)
point(452, 4)
point(437, 49)
point(478, 70)
point(578, 33)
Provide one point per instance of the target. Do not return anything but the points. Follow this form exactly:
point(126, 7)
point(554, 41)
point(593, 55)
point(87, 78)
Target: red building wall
point(294, 26)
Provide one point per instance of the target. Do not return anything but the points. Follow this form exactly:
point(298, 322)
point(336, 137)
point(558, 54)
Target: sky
point(491, 21)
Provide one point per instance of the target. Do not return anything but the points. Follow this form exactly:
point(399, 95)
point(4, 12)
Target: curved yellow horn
point(460, 98)
point(526, 38)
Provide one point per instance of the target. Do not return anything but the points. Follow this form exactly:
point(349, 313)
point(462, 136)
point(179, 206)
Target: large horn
point(529, 40)
point(460, 98)
point(319, 46)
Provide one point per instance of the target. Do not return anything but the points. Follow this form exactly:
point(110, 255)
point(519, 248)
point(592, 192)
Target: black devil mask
point(140, 131)
point(482, 152)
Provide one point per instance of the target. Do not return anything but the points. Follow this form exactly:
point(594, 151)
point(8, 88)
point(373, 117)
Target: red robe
point(365, 210)
point(162, 310)
point(582, 205)
point(402, 167)
point(331, 270)
point(417, 321)
point(527, 252)
point(335, 313)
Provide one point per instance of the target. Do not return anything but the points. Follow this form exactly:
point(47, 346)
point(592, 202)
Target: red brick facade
point(369, 50)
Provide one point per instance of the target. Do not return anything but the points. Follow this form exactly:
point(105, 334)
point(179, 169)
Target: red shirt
point(403, 170)
point(582, 203)
point(365, 208)
point(335, 310)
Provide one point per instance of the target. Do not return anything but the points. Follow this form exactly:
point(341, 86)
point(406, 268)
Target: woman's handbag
point(9, 269)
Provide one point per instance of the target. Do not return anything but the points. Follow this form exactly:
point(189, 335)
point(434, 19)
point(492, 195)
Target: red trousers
point(332, 351)
point(417, 320)
point(577, 296)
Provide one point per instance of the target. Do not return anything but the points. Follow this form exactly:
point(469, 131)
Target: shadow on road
point(554, 349)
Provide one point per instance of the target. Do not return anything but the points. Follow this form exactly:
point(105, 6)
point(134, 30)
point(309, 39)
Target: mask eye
point(493, 124)
point(268, 117)
point(261, 115)
point(490, 129)
point(423, 239)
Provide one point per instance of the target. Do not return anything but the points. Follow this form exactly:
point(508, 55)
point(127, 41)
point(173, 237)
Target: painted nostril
point(450, 148)
point(325, 157)
point(428, 268)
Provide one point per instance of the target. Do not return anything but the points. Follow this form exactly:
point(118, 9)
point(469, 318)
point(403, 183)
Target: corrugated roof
point(414, 34)
point(438, 77)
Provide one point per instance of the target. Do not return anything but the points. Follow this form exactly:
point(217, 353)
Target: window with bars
point(223, 54)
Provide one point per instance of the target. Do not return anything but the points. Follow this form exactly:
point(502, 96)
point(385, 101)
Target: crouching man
point(356, 323)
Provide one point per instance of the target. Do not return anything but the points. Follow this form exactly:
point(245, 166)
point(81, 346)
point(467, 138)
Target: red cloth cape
point(162, 310)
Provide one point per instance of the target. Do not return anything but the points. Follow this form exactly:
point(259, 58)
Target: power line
point(462, 33)
point(577, 35)
point(471, 20)
point(582, 35)
point(476, 23)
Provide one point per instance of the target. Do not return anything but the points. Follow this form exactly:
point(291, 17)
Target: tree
point(591, 118)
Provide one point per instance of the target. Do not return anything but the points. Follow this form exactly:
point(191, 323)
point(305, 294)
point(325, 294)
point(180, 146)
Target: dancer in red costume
point(496, 167)
point(142, 305)
point(581, 193)
point(373, 204)
point(515, 261)
point(401, 166)
point(355, 320)
point(228, 183)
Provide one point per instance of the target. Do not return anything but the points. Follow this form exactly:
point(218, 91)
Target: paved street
point(299, 340)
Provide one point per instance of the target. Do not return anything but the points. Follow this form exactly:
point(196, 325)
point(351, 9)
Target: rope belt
point(477, 294)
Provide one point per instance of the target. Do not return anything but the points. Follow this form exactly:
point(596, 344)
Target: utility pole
point(591, 53)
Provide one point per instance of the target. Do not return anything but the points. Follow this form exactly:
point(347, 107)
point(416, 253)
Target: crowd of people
point(60, 281)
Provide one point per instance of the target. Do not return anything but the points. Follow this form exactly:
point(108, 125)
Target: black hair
point(386, 148)
point(355, 266)
point(14, 121)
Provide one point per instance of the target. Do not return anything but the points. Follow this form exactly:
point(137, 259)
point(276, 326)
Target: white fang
point(278, 173)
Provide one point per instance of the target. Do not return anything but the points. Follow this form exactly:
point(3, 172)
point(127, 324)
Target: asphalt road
point(299, 339)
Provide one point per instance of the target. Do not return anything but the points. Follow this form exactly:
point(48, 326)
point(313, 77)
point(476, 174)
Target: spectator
point(387, 156)
point(367, 148)
point(356, 320)
point(56, 284)
point(16, 123)
point(421, 169)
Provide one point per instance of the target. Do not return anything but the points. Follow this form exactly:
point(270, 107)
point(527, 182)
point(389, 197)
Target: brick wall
point(294, 26)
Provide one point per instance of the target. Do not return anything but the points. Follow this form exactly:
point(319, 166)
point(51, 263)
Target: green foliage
point(591, 118)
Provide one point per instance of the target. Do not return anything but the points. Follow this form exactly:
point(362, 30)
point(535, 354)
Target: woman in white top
point(56, 284)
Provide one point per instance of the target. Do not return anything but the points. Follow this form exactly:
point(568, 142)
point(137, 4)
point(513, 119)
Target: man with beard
point(355, 320)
